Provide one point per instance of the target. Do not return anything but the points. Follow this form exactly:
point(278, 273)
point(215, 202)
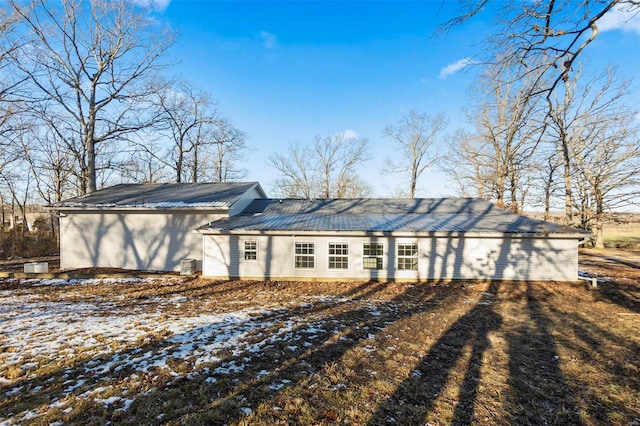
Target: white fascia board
point(403, 234)
point(141, 209)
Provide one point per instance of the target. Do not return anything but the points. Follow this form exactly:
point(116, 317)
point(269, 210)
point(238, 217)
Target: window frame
point(379, 258)
point(342, 257)
point(246, 251)
point(415, 263)
point(296, 255)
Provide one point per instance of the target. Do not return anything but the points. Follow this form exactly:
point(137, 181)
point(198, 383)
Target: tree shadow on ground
point(539, 392)
point(414, 398)
point(276, 367)
point(622, 280)
point(626, 296)
point(284, 372)
point(210, 393)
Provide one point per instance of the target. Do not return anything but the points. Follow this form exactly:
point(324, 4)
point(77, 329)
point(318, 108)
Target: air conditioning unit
point(187, 266)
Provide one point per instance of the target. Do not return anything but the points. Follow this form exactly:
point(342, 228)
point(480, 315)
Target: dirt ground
point(619, 265)
point(17, 265)
point(188, 350)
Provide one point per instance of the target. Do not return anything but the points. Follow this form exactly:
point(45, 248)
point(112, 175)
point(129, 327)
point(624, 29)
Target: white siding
point(439, 258)
point(131, 240)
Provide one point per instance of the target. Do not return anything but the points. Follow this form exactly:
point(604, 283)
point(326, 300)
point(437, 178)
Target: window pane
point(406, 264)
point(372, 263)
point(372, 255)
point(338, 256)
point(304, 255)
point(250, 250)
point(408, 257)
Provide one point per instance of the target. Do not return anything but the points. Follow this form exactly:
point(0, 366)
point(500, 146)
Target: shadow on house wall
point(144, 241)
point(441, 255)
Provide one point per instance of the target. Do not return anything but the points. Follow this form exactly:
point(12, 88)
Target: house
point(145, 226)
point(11, 217)
point(387, 239)
point(234, 231)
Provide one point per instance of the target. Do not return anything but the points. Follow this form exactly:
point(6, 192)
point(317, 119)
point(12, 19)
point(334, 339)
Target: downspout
point(583, 240)
point(592, 280)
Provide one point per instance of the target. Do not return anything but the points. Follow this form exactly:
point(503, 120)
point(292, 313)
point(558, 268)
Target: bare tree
point(325, 169)
point(416, 136)
point(541, 40)
point(297, 177)
point(91, 66)
point(469, 164)
point(186, 114)
point(599, 131)
point(547, 185)
point(18, 182)
point(144, 167)
point(561, 123)
point(225, 149)
point(505, 137)
point(200, 142)
point(50, 163)
point(12, 123)
point(338, 156)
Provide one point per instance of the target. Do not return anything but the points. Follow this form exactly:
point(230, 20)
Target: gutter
point(584, 240)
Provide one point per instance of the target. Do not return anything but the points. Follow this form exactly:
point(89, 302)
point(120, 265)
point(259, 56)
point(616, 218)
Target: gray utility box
point(187, 266)
point(36, 267)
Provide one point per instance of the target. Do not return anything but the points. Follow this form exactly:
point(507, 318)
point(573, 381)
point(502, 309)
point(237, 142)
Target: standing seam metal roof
point(163, 195)
point(458, 215)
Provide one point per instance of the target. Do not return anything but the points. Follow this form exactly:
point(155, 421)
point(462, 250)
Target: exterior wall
point(131, 239)
point(438, 258)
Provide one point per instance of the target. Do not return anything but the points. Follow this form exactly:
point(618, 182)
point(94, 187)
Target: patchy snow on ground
point(103, 341)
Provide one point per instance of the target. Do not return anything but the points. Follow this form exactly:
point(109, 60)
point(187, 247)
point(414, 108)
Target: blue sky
point(285, 72)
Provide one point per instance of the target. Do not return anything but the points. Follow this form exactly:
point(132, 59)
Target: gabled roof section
point(373, 206)
point(163, 196)
point(428, 215)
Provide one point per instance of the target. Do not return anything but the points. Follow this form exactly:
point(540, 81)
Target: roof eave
point(137, 208)
point(402, 234)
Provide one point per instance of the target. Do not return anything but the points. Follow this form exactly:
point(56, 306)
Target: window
point(250, 250)
point(305, 256)
point(338, 256)
point(408, 257)
point(372, 255)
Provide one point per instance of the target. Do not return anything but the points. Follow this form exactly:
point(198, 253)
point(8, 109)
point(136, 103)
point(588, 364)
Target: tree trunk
point(500, 184)
point(568, 197)
point(599, 219)
point(221, 177)
point(194, 169)
point(414, 178)
point(547, 191)
point(90, 141)
point(179, 165)
point(599, 232)
point(515, 206)
point(2, 213)
point(327, 187)
point(91, 163)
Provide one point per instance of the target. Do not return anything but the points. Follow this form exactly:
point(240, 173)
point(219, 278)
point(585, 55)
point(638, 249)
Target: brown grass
point(438, 353)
